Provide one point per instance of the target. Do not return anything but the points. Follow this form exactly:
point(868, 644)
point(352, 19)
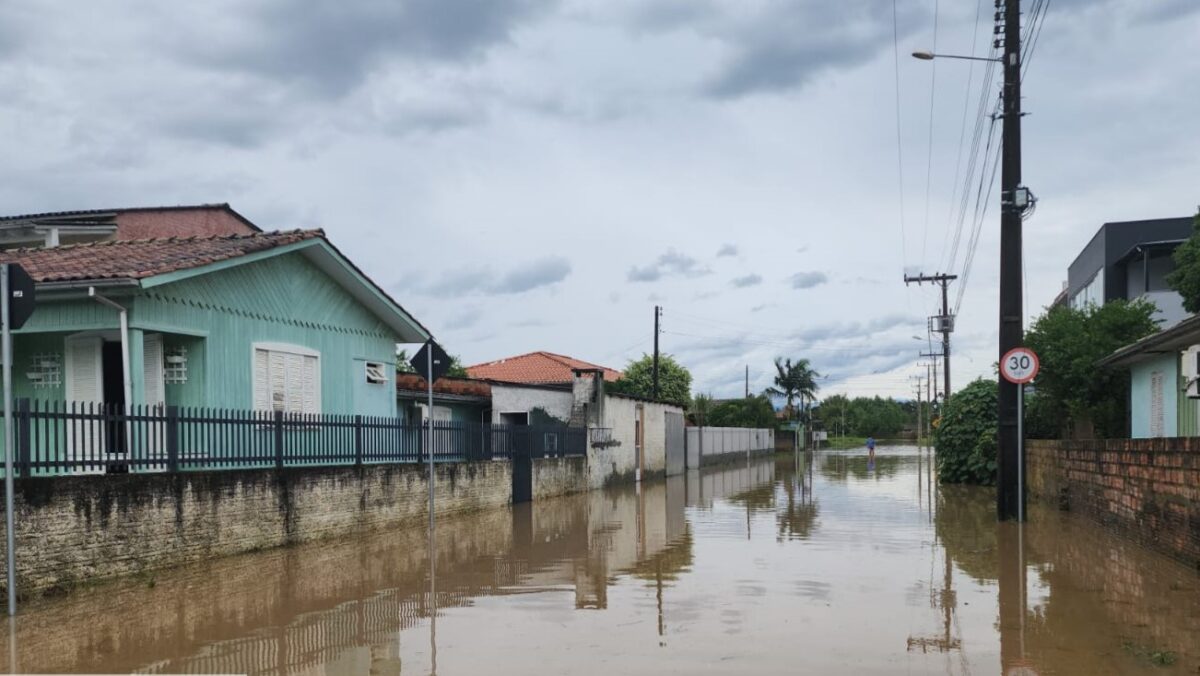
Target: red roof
point(461, 386)
point(141, 258)
point(536, 368)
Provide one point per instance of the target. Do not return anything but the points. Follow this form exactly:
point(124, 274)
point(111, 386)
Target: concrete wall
point(1146, 489)
point(514, 398)
point(1141, 395)
point(618, 461)
point(721, 444)
point(75, 529)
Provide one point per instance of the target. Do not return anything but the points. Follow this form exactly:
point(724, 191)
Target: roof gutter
point(88, 285)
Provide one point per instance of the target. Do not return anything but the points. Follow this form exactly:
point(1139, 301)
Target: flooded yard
point(823, 563)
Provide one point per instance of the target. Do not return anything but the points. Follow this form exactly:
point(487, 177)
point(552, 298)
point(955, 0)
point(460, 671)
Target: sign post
point(433, 362)
point(16, 304)
point(1020, 366)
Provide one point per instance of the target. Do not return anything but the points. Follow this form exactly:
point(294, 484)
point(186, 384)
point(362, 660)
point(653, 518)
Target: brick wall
point(1149, 489)
point(559, 476)
point(71, 530)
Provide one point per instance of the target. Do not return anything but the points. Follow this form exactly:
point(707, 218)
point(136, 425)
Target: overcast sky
point(536, 175)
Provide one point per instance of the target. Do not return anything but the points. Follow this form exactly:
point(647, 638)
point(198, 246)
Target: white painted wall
point(514, 399)
point(720, 440)
point(620, 414)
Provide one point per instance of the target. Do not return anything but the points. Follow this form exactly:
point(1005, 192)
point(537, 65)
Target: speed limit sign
point(1019, 365)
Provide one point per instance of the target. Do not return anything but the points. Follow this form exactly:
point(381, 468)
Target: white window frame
point(286, 348)
point(378, 378)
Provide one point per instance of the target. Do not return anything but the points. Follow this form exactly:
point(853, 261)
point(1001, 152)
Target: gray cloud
point(752, 279)
point(670, 264)
point(330, 47)
point(541, 272)
point(807, 280)
point(463, 320)
point(533, 275)
point(727, 250)
point(783, 45)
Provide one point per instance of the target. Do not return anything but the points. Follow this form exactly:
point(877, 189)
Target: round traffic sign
point(1019, 365)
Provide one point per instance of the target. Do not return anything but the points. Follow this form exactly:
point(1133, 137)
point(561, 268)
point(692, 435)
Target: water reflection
point(817, 563)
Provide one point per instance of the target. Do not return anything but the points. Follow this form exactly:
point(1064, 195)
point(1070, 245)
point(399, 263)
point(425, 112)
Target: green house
point(275, 321)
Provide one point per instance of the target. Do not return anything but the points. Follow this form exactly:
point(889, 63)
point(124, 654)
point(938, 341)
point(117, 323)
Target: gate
point(522, 465)
point(676, 444)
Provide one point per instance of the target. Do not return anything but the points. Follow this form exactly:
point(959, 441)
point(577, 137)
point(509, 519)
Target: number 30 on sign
point(1019, 365)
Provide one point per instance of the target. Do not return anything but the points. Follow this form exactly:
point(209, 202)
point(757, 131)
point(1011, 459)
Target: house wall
point(284, 299)
point(79, 528)
point(513, 398)
point(1141, 396)
point(617, 462)
point(1147, 490)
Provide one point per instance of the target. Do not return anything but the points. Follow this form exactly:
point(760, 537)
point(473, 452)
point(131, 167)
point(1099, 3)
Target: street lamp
point(930, 56)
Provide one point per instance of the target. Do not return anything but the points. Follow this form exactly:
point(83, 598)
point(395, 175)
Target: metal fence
point(61, 438)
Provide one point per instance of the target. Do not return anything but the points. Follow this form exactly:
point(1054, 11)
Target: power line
point(899, 143)
point(962, 135)
point(929, 154)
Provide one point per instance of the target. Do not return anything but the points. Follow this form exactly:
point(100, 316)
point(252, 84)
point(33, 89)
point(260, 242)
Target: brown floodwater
point(830, 563)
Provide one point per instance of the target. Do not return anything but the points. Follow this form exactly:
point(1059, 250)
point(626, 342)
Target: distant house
point(1164, 373)
point(102, 225)
point(537, 368)
point(250, 320)
point(1129, 260)
point(628, 434)
point(454, 399)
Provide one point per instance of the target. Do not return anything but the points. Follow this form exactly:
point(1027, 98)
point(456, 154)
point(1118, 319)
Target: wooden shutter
point(85, 373)
point(152, 366)
point(1156, 405)
point(84, 386)
point(310, 385)
point(285, 380)
point(262, 381)
point(277, 385)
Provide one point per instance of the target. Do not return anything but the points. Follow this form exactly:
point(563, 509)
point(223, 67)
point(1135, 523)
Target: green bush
point(966, 438)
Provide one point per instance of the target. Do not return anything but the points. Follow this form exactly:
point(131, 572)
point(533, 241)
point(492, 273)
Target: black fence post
point(278, 429)
point(23, 445)
point(358, 440)
point(172, 434)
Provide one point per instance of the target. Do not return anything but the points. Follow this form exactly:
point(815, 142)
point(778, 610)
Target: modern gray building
point(1130, 259)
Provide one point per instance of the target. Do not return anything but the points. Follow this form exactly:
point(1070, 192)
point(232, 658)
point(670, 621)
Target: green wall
point(284, 299)
point(218, 317)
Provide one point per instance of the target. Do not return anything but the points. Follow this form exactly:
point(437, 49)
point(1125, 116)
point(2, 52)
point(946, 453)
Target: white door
point(84, 392)
point(154, 441)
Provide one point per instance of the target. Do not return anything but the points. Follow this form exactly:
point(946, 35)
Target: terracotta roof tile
point(536, 368)
point(142, 258)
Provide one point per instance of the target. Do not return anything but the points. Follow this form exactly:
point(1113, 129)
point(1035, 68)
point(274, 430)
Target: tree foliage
point(863, 416)
point(794, 381)
point(674, 381)
point(700, 408)
point(966, 439)
point(1069, 342)
point(1185, 278)
point(755, 411)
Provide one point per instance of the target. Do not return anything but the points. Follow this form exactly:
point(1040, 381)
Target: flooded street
point(827, 564)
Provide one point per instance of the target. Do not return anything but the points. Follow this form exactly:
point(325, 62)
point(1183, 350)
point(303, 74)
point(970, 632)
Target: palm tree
point(794, 381)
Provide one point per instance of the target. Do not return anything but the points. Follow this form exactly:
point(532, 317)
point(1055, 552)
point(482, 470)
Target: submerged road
point(825, 563)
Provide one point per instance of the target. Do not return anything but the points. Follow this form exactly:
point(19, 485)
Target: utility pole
point(747, 381)
point(929, 401)
point(919, 426)
point(657, 314)
point(943, 323)
point(1013, 200)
